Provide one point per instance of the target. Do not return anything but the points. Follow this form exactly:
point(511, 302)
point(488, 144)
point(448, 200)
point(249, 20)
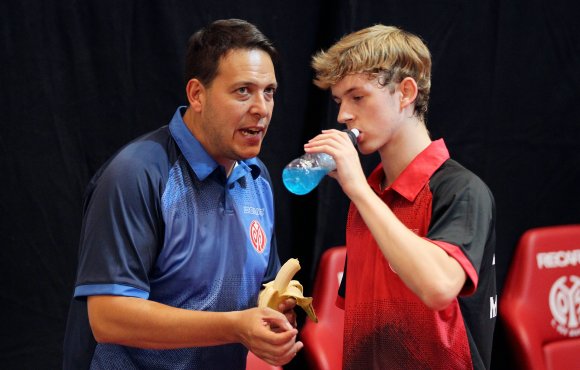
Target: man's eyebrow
point(254, 83)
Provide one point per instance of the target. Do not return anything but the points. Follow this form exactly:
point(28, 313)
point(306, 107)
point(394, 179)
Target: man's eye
point(243, 90)
point(357, 98)
point(270, 91)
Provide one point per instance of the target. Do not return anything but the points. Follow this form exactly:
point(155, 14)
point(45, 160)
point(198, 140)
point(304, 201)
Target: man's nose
point(259, 106)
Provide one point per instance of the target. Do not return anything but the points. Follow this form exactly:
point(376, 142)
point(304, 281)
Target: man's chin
point(249, 153)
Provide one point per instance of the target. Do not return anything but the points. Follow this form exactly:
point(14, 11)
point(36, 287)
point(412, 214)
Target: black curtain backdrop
point(78, 79)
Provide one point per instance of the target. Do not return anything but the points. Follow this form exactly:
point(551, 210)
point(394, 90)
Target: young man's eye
point(357, 98)
point(242, 90)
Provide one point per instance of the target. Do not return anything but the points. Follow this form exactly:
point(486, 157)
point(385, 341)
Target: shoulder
point(455, 179)
point(457, 189)
point(145, 160)
point(145, 151)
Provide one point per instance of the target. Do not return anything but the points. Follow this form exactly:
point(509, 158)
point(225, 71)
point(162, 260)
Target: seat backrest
point(540, 303)
point(253, 362)
point(323, 340)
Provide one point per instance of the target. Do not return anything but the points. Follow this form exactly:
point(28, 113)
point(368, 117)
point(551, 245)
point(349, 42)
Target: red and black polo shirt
point(386, 325)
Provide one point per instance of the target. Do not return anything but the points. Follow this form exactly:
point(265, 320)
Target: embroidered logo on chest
point(257, 236)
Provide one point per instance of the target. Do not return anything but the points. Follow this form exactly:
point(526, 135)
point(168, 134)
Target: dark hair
point(208, 45)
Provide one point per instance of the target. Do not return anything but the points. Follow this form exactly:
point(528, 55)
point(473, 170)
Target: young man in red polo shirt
point(419, 286)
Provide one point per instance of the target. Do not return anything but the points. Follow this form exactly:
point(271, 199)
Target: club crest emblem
point(257, 236)
point(565, 305)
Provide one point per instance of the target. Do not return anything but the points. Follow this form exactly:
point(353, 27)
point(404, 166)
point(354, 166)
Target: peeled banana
point(283, 287)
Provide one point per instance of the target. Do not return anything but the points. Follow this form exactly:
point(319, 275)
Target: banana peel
point(283, 287)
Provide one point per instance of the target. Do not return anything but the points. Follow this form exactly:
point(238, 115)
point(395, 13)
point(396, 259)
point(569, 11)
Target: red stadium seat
point(540, 304)
point(253, 362)
point(323, 340)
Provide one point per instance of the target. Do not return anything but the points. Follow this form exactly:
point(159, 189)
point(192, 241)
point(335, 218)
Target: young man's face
point(369, 107)
point(237, 106)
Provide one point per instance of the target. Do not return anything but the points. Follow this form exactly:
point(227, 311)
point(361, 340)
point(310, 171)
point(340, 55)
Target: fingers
point(327, 136)
point(291, 317)
point(287, 308)
point(332, 142)
point(279, 321)
point(290, 354)
point(349, 172)
point(282, 357)
point(287, 305)
point(275, 347)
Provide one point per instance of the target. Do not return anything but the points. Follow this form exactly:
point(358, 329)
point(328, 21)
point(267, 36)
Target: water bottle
point(305, 173)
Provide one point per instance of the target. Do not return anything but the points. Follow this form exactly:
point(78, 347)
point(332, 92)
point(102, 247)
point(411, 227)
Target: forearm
point(434, 276)
point(146, 324)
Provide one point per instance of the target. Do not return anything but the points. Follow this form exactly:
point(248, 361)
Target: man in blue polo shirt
point(178, 228)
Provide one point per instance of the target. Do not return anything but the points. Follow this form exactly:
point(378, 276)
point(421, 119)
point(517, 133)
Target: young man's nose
point(343, 114)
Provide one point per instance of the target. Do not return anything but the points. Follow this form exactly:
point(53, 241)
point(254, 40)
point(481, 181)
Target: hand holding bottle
point(303, 174)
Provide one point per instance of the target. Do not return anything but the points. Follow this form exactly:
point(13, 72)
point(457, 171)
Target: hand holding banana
point(283, 287)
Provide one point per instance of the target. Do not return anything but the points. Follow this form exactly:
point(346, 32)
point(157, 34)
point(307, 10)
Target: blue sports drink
point(305, 173)
point(301, 181)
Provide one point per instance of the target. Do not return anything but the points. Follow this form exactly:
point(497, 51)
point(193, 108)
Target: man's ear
point(195, 94)
point(409, 91)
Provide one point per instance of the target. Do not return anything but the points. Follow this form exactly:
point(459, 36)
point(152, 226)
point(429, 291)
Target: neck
point(193, 123)
point(230, 169)
point(402, 149)
point(189, 119)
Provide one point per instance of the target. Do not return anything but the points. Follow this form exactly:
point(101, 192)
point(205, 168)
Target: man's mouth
point(251, 131)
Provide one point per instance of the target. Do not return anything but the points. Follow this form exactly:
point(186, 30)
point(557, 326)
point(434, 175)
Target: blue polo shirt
point(162, 222)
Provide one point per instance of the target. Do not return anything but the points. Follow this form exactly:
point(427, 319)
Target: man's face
point(369, 107)
point(237, 106)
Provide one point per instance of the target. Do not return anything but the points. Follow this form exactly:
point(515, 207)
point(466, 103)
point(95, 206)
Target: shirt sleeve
point(122, 228)
point(462, 218)
point(342, 288)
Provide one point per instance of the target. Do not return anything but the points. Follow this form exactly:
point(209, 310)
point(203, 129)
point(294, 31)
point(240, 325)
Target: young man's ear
point(195, 94)
point(409, 91)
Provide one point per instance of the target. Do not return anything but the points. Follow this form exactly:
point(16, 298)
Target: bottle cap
point(353, 134)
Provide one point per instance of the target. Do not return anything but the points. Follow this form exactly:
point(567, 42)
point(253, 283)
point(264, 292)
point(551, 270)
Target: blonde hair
point(383, 52)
